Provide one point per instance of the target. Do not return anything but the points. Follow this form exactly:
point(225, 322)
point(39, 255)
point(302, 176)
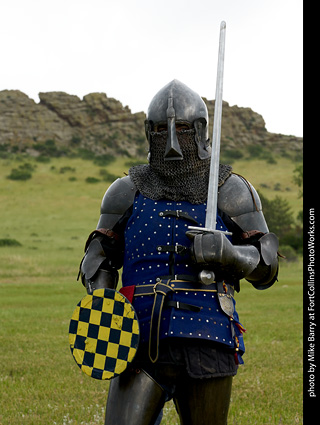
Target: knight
point(191, 339)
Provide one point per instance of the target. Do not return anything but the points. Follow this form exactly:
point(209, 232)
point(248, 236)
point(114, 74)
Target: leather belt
point(180, 285)
point(160, 290)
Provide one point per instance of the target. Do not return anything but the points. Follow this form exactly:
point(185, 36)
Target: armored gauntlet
point(257, 263)
point(102, 259)
point(215, 249)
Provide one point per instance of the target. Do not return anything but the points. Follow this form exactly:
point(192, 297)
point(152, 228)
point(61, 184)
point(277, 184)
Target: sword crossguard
point(205, 229)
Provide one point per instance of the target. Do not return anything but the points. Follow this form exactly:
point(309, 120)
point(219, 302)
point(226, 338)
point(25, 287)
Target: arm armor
point(105, 246)
point(254, 253)
point(266, 272)
point(240, 201)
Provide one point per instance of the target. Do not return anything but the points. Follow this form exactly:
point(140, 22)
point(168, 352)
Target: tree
point(298, 180)
point(278, 215)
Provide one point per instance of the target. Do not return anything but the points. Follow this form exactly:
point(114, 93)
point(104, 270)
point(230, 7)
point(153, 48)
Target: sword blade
point(212, 201)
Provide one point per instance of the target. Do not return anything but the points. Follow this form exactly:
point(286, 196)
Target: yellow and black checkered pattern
point(104, 334)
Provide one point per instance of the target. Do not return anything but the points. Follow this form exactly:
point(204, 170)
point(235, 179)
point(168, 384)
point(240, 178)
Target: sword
point(207, 277)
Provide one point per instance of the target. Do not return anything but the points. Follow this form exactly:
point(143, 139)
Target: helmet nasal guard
point(176, 104)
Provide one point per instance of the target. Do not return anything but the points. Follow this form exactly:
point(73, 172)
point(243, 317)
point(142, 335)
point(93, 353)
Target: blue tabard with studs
point(157, 250)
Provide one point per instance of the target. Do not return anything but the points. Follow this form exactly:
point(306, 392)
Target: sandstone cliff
point(103, 125)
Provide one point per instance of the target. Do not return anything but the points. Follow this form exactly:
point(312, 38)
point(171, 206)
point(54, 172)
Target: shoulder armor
point(117, 199)
point(240, 201)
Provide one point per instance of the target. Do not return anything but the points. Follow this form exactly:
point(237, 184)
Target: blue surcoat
point(153, 226)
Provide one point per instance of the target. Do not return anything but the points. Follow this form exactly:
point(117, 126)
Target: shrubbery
point(23, 172)
point(279, 217)
point(9, 242)
point(50, 149)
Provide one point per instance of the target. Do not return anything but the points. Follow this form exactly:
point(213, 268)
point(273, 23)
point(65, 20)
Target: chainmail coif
point(176, 180)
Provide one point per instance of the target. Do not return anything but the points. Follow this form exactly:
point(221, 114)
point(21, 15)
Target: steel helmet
point(175, 104)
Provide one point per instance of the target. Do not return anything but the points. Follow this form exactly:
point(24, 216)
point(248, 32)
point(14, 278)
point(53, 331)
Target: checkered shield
point(104, 334)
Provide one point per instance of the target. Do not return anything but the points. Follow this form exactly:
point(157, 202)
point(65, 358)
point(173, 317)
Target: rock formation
point(104, 126)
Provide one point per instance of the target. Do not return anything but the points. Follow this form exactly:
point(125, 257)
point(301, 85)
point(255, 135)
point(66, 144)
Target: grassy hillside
point(44, 223)
point(272, 179)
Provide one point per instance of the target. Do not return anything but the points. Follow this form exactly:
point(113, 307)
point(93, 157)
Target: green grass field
point(51, 215)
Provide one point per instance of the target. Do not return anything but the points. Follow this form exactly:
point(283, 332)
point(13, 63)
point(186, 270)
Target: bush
point(103, 160)
point(229, 156)
point(4, 151)
point(17, 174)
point(106, 176)
point(289, 253)
point(48, 148)
point(86, 154)
point(92, 180)
point(294, 238)
point(23, 172)
point(259, 152)
point(66, 169)
point(9, 242)
point(43, 158)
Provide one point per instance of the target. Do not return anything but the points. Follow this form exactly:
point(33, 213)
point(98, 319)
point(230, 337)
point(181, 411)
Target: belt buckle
point(166, 288)
point(159, 282)
point(155, 287)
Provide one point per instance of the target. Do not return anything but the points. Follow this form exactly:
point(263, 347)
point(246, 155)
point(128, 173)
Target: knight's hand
point(214, 249)
point(208, 248)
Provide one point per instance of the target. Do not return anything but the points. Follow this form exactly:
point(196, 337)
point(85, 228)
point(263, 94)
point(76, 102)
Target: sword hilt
point(207, 277)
